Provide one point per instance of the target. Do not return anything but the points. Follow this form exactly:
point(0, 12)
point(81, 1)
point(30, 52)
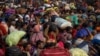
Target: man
point(52, 50)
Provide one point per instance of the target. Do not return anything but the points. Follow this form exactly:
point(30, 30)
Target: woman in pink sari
point(37, 35)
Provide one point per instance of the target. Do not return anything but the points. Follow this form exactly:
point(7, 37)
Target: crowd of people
point(50, 28)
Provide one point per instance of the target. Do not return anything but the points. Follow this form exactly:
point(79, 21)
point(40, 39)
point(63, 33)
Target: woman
point(51, 32)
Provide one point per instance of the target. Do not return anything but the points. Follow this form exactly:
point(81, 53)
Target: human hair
point(51, 44)
point(25, 45)
point(0, 20)
point(38, 43)
point(1, 46)
point(68, 29)
point(67, 45)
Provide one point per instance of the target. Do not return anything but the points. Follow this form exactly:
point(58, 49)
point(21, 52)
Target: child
point(27, 48)
point(39, 45)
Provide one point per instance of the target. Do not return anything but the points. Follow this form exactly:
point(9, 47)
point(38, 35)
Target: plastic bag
point(62, 23)
point(14, 37)
point(78, 52)
point(72, 6)
point(96, 39)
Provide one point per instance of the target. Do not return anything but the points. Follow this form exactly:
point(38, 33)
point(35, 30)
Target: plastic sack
point(72, 6)
point(96, 39)
point(14, 37)
point(78, 52)
point(62, 23)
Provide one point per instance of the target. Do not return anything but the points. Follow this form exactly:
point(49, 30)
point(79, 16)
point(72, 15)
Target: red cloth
point(3, 28)
point(60, 44)
point(51, 36)
point(74, 32)
point(55, 52)
point(2, 52)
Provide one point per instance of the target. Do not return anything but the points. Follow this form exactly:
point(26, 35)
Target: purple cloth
point(37, 36)
point(10, 11)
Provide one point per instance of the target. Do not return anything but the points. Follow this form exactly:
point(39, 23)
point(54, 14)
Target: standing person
point(74, 18)
point(51, 32)
point(37, 31)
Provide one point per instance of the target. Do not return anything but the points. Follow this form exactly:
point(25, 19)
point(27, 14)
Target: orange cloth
point(98, 28)
point(4, 28)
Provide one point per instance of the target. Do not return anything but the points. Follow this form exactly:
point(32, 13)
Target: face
point(25, 26)
point(91, 24)
point(41, 45)
point(20, 19)
point(29, 47)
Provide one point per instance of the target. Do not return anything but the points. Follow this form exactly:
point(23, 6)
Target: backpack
point(13, 51)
